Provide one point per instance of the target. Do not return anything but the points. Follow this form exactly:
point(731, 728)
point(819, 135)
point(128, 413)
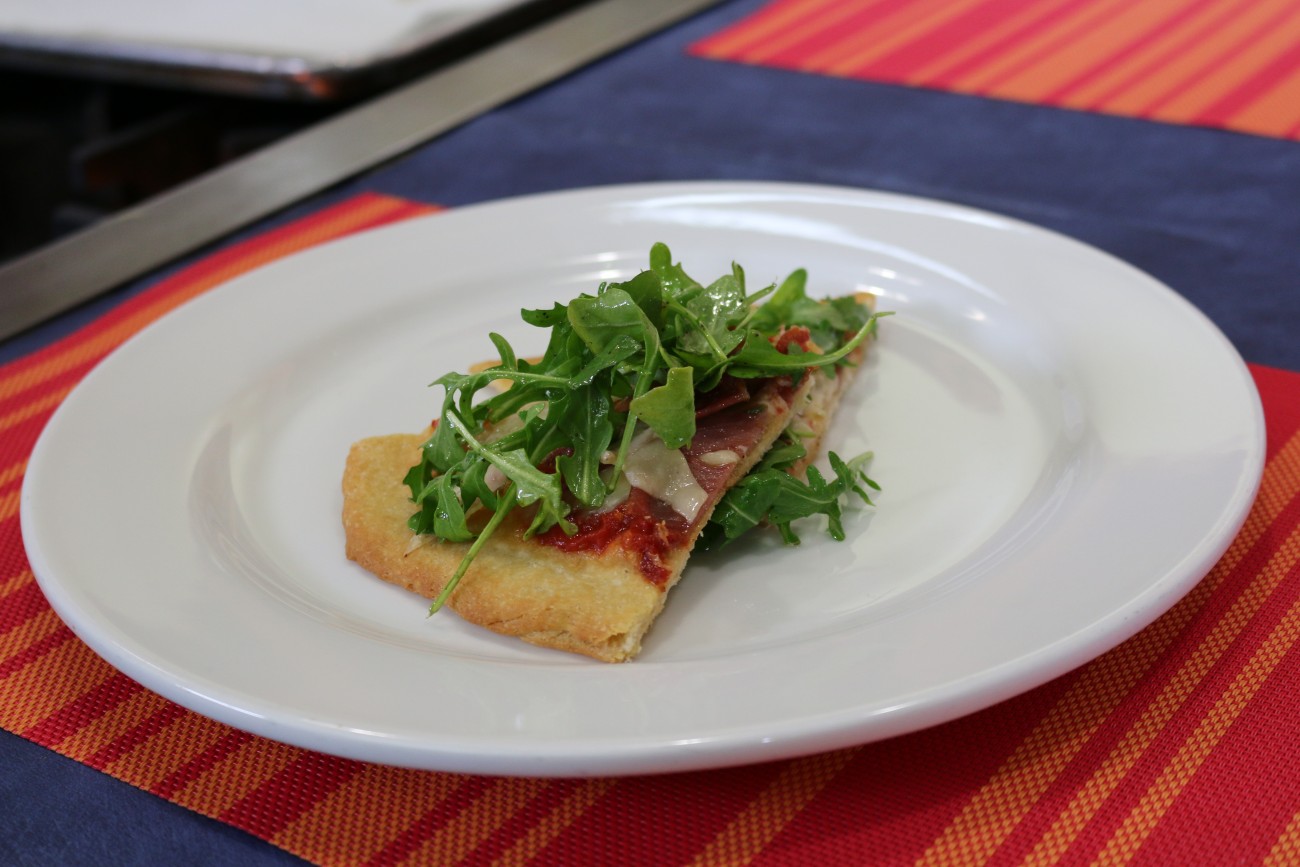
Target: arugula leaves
point(638, 351)
point(771, 495)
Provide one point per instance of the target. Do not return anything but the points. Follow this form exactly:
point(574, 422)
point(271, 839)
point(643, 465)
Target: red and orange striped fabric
point(1233, 64)
point(1175, 748)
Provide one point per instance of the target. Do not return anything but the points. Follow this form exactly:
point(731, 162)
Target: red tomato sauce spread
point(640, 525)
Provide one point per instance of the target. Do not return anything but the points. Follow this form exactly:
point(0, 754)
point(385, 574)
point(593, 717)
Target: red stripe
point(142, 731)
point(902, 62)
point(1221, 112)
point(20, 439)
point(999, 47)
point(21, 605)
point(1171, 51)
point(1278, 390)
point(516, 828)
point(701, 804)
point(1212, 65)
point(200, 764)
point(296, 788)
point(906, 790)
point(406, 843)
point(83, 710)
point(1192, 707)
point(1260, 742)
point(62, 635)
point(1206, 693)
point(1051, 46)
point(1153, 33)
point(858, 27)
point(20, 400)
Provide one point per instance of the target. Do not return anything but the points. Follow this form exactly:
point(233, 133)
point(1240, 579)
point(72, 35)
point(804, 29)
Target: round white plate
point(1065, 447)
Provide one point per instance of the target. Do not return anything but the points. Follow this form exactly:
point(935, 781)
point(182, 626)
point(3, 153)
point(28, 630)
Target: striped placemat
point(1176, 747)
point(1233, 64)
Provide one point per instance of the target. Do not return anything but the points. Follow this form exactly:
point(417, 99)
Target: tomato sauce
point(640, 525)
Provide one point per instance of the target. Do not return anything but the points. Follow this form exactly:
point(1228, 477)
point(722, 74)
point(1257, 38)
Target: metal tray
point(292, 49)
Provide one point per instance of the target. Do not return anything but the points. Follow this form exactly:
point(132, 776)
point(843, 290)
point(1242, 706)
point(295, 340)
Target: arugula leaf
point(759, 357)
point(592, 432)
point(531, 485)
point(601, 319)
point(669, 409)
point(772, 496)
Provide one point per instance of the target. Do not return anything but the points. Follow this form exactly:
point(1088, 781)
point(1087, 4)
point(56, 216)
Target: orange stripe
point(1144, 731)
point(541, 833)
point(1026, 17)
point(1197, 748)
point(1232, 71)
point(31, 694)
point(21, 637)
point(993, 812)
point(15, 582)
point(191, 282)
point(231, 780)
point(45, 403)
point(1084, 51)
point(172, 746)
point(1145, 95)
point(858, 46)
point(1274, 112)
point(1030, 47)
point(1162, 48)
point(336, 830)
point(772, 810)
point(774, 20)
point(470, 827)
point(13, 472)
point(811, 26)
point(98, 734)
point(1286, 851)
point(9, 504)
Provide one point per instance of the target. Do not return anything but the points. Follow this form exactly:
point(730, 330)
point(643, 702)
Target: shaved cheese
point(663, 474)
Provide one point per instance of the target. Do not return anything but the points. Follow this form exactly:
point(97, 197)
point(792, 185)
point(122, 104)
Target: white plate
point(1065, 446)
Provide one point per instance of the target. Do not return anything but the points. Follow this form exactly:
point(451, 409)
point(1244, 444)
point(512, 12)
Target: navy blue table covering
point(1214, 214)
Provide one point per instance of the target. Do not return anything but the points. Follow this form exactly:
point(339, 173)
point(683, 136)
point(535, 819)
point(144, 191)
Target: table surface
point(1209, 212)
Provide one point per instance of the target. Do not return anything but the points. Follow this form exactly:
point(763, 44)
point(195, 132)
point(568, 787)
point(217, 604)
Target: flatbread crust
point(596, 604)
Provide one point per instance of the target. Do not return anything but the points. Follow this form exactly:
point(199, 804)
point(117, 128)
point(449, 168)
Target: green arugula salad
point(635, 356)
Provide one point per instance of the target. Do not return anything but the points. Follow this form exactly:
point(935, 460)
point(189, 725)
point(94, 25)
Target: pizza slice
point(562, 509)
